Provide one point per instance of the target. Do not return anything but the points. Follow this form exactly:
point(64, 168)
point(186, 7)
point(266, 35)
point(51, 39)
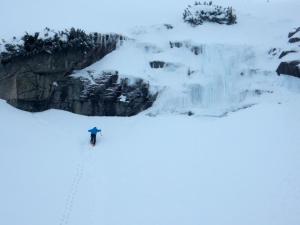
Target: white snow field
point(236, 161)
point(239, 169)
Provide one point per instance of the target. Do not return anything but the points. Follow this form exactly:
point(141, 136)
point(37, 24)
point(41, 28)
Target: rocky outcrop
point(157, 64)
point(294, 40)
point(37, 79)
point(284, 53)
point(289, 68)
point(106, 95)
point(292, 65)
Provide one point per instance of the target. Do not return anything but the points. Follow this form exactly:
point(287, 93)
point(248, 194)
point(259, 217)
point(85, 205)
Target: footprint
point(72, 195)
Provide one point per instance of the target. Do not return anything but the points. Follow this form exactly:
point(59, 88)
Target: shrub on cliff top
point(51, 41)
point(199, 13)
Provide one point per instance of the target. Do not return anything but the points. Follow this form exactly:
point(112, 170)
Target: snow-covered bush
point(51, 41)
point(207, 12)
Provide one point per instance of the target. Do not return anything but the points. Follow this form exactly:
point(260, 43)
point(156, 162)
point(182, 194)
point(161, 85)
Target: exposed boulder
point(289, 68)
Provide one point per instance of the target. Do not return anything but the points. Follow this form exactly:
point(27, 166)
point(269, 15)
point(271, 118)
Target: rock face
point(41, 80)
point(292, 65)
point(289, 68)
point(106, 95)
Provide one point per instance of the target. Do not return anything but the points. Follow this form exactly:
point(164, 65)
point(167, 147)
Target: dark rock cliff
point(35, 76)
point(106, 95)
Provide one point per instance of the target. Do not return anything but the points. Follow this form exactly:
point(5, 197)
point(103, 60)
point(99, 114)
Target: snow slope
point(239, 169)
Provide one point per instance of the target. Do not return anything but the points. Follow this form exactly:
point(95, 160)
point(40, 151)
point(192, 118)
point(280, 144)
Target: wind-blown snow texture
point(222, 166)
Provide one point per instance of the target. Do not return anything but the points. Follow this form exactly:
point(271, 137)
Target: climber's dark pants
point(93, 139)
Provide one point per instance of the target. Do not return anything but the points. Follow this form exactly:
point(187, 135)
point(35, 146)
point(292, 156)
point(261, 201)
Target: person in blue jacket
point(94, 132)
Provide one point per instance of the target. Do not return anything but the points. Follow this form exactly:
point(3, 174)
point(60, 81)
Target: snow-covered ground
point(234, 162)
point(239, 169)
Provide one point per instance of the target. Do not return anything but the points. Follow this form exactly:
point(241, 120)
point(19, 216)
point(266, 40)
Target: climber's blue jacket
point(94, 130)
